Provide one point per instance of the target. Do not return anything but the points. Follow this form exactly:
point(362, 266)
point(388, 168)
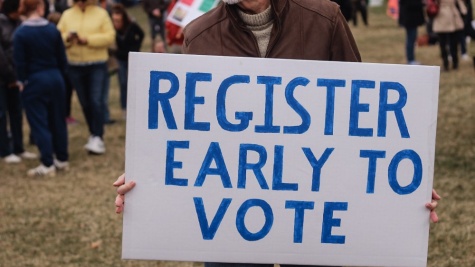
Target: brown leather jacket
point(303, 29)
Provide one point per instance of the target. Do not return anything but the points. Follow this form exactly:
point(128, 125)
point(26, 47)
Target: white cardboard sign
point(279, 161)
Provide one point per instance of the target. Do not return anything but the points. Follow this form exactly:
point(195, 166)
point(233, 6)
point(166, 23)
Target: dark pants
point(89, 82)
point(463, 42)
point(69, 94)
point(411, 36)
point(44, 100)
point(157, 26)
point(105, 97)
point(122, 76)
point(362, 7)
point(10, 111)
point(451, 40)
point(219, 264)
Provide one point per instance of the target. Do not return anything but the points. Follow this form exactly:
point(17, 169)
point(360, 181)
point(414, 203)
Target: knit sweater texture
point(261, 26)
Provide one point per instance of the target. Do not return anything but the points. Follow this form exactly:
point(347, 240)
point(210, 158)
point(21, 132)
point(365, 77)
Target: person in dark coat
point(129, 37)
point(11, 111)
point(411, 16)
point(40, 57)
point(467, 20)
point(346, 8)
point(156, 10)
point(360, 6)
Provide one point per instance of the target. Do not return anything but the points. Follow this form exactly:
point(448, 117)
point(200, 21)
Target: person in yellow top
point(87, 32)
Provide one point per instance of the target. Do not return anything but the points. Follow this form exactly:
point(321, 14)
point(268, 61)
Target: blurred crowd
point(449, 26)
point(53, 48)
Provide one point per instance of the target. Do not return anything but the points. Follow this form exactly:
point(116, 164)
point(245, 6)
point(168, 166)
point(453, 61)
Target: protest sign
point(279, 161)
point(184, 11)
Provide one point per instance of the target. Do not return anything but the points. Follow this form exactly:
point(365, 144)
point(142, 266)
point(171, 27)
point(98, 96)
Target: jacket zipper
point(274, 38)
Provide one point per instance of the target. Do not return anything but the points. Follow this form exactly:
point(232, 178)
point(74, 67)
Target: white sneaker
point(414, 62)
point(96, 146)
point(61, 165)
point(465, 57)
point(89, 141)
point(42, 170)
point(28, 155)
point(12, 158)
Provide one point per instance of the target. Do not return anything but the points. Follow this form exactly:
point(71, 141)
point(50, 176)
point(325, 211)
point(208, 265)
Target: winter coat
point(411, 13)
point(128, 40)
point(95, 24)
point(303, 29)
point(449, 19)
point(7, 28)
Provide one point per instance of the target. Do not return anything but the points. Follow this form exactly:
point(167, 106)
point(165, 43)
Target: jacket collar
point(35, 22)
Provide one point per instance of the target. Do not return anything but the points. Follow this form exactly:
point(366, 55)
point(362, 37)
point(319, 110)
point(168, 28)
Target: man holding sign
point(288, 29)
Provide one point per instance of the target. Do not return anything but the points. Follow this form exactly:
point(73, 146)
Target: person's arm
point(19, 57)
point(462, 7)
point(163, 6)
point(123, 188)
point(61, 54)
point(102, 38)
point(147, 7)
point(343, 46)
point(7, 73)
point(138, 36)
point(132, 41)
point(62, 27)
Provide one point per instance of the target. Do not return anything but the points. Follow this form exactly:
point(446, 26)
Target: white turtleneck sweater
point(261, 26)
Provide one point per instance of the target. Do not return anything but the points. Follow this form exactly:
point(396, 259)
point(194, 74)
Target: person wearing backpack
point(411, 16)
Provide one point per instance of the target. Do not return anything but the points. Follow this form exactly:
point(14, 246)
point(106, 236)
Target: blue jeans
point(90, 84)
point(10, 111)
point(105, 98)
point(411, 36)
point(122, 76)
point(44, 99)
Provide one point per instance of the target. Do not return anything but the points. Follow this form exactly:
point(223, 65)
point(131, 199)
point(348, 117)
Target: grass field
point(69, 220)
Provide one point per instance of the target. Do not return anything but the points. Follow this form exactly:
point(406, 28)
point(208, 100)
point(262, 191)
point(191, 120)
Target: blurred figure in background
point(464, 36)
point(111, 66)
point(87, 32)
point(448, 25)
point(360, 6)
point(54, 18)
point(10, 101)
point(105, 4)
point(174, 33)
point(128, 37)
point(61, 5)
point(156, 11)
point(346, 8)
point(411, 16)
point(39, 58)
point(158, 45)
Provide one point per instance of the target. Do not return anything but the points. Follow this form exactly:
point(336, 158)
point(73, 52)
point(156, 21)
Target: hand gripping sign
point(279, 161)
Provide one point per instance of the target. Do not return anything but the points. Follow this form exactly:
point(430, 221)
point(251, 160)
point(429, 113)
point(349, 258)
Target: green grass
point(69, 220)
